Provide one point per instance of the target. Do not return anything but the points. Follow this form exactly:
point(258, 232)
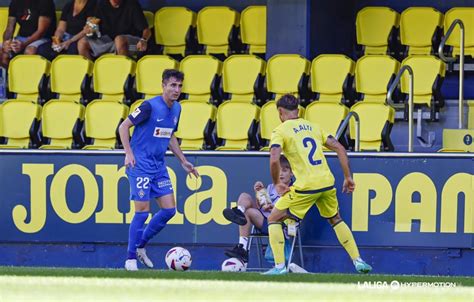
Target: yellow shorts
point(298, 204)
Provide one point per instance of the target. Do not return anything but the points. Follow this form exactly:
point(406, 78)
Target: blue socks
point(157, 223)
point(135, 233)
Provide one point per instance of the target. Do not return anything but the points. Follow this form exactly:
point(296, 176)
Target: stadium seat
point(19, 121)
point(376, 121)
point(428, 73)
point(376, 27)
point(27, 76)
point(466, 15)
point(242, 77)
point(60, 124)
point(269, 120)
point(150, 18)
point(458, 140)
point(253, 28)
point(70, 76)
point(331, 78)
point(149, 74)
point(420, 30)
point(4, 23)
point(102, 119)
point(236, 126)
point(174, 29)
point(112, 76)
point(328, 115)
point(195, 125)
point(202, 75)
point(216, 27)
point(373, 76)
point(287, 73)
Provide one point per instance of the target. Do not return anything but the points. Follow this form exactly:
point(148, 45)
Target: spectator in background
point(70, 28)
point(122, 29)
point(37, 20)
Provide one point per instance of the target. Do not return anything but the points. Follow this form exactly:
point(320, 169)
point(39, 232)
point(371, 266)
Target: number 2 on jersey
point(310, 142)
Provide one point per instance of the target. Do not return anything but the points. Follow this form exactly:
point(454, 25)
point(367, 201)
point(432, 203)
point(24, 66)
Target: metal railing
point(410, 100)
point(340, 131)
point(461, 64)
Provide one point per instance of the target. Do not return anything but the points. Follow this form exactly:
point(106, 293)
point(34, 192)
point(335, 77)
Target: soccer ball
point(233, 265)
point(178, 259)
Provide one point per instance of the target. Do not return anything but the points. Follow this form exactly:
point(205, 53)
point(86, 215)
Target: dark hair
point(288, 101)
point(172, 73)
point(284, 162)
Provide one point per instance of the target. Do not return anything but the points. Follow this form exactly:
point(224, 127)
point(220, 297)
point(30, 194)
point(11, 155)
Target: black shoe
point(235, 215)
point(238, 252)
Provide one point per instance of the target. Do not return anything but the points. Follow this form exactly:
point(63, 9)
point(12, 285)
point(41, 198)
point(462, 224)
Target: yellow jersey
point(302, 143)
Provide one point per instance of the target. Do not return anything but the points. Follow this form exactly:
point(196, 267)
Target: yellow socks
point(344, 235)
point(277, 242)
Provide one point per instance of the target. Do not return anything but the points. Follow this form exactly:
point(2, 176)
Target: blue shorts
point(144, 187)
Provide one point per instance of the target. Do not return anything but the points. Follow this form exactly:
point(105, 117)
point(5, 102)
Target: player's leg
point(329, 209)
point(140, 194)
point(237, 214)
point(276, 236)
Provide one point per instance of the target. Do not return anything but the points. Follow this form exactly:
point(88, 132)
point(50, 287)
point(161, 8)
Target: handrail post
point(344, 124)
point(410, 100)
point(461, 64)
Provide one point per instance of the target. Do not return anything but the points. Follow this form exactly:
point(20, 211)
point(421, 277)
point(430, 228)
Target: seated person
point(247, 213)
point(122, 28)
point(37, 20)
point(70, 28)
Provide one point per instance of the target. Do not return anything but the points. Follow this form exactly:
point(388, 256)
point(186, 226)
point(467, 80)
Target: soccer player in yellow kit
point(301, 141)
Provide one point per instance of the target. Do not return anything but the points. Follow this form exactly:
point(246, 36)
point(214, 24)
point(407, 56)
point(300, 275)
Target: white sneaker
point(131, 265)
point(141, 255)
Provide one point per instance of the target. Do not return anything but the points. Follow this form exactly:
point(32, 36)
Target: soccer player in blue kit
point(155, 121)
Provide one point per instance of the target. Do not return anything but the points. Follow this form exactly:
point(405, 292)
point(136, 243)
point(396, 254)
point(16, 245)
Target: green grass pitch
point(69, 284)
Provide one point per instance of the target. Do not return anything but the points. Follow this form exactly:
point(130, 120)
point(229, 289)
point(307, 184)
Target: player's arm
point(176, 149)
point(332, 144)
point(275, 153)
point(124, 132)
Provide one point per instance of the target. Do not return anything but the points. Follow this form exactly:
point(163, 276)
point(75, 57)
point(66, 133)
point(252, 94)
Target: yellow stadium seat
point(242, 76)
point(376, 121)
point(328, 115)
point(61, 122)
point(428, 73)
point(149, 74)
point(253, 28)
point(286, 74)
point(150, 18)
point(215, 25)
point(19, 123)
point(69, 74)
point(58, 16)
point(26, 73)
point(419, 27)
point(373, 75)
point(374, 28)
point(133, 107)
point(331, 77)
point(172, 27)
point(112, 75)
point(4, 23)
point(269, 120)
point(458, 140)
point(201, 74)
point(236, 125)
point(195, 125)
point(101, 122)
point(466, 15)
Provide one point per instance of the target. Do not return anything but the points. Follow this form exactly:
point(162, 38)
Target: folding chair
point(255, 233)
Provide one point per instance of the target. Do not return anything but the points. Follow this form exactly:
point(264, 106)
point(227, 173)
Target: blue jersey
point(154, 123)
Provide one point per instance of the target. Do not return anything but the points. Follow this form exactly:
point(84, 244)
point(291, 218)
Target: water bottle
point(262, 197)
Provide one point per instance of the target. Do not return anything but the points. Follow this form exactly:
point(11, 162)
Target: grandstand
point(392, 80)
